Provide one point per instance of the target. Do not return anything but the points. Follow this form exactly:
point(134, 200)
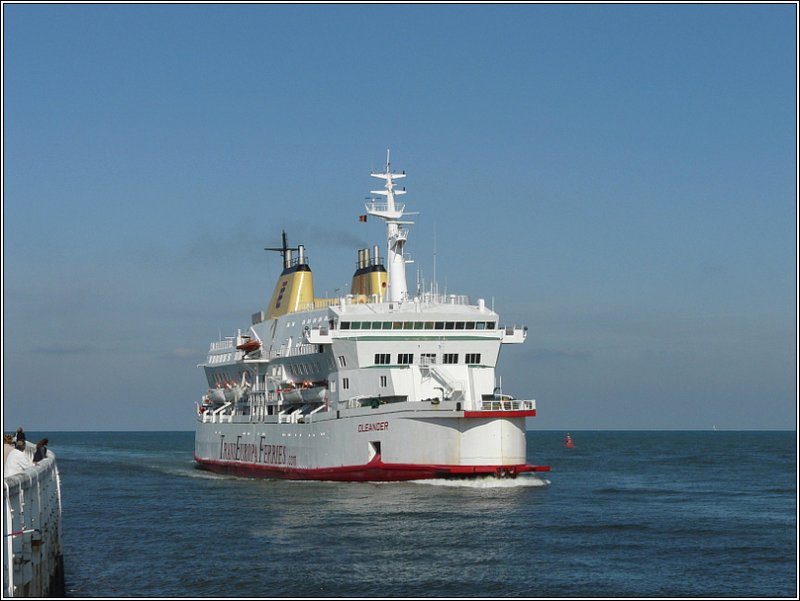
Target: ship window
point(450, 358)
point(449, 325)
point(480, 325)
point(428, 358)
point(428, 325)
point(459, 325)
point(397, 325)
point(383, 381)
point(418, 325)
point(405, 358)
point(439, 325)
point(490, 325)
point(387, 325)
point(408, 325)
point(382, 358)
point(345, 325)
point(342, 361)
point(345, 383)
point(472, 358)
point(356, 325)
point(470, 325)
point(376, 325)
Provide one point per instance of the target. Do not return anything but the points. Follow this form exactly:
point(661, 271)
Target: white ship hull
point(403, 443)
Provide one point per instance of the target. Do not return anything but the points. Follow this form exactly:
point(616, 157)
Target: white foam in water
point(190, 471)
point(489, 482)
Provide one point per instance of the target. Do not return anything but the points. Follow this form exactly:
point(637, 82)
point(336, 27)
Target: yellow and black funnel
point(370, 278)
point(294, 290)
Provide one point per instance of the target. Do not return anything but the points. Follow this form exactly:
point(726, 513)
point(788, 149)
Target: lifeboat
point(249, 345)
point(307, 391)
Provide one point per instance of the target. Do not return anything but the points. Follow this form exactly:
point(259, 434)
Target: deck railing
point(507, 405)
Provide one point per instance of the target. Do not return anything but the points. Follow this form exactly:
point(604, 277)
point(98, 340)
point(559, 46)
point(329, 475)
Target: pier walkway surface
point(33, 564)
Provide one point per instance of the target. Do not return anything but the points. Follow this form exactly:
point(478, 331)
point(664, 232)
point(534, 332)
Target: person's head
point(8, 439)
point(42, 443)
point(19, 430)
point(21, 445)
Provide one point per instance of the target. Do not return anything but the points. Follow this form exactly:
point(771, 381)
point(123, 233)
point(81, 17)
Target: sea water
point(623, 514)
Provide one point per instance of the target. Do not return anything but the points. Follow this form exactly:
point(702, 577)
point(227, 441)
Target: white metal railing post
point(8, 566)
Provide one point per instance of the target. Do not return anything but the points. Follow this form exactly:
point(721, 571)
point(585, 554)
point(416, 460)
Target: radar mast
point(392, 213)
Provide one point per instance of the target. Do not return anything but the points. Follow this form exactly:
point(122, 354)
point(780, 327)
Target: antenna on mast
point(434, 283)
point(286, 251)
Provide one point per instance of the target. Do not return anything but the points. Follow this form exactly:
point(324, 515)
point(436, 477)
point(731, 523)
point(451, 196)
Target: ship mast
point(396, 234)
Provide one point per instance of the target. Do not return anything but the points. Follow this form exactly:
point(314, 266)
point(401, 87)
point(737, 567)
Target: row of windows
point(223, 377)
point(417, 325)
point(220, 358)
point(303, 369)
point(408, 358)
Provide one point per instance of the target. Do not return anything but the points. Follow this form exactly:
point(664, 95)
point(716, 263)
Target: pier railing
point(32, 559)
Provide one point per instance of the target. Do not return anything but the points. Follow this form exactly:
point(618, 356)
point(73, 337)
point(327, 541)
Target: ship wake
point(488, 482)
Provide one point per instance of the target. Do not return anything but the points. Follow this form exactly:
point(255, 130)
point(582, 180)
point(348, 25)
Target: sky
point(620, 178)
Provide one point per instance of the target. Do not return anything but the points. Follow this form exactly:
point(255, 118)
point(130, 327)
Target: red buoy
point(568, 444)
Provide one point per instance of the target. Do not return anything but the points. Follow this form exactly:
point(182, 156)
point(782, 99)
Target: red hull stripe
point(370, 472)
point(508, 414)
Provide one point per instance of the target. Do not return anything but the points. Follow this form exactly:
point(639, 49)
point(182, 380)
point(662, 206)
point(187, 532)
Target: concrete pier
point(33, 564)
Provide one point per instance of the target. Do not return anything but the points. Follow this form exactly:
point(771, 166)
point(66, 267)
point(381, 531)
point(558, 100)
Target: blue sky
point(620, 178)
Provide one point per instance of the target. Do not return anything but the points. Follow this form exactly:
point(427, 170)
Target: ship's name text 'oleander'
point(373, 426)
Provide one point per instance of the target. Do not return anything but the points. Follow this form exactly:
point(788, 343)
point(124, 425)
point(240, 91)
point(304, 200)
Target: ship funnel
point(294, 290)
point(370, 279)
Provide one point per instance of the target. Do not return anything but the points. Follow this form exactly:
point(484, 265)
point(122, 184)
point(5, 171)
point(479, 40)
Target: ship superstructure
point(374, 385)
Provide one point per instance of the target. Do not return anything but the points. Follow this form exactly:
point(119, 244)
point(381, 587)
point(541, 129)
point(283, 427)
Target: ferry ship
point(377, 385)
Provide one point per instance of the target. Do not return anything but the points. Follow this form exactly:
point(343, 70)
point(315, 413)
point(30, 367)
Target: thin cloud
point(557, 354)
point(183, 352)
point(65, 349)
